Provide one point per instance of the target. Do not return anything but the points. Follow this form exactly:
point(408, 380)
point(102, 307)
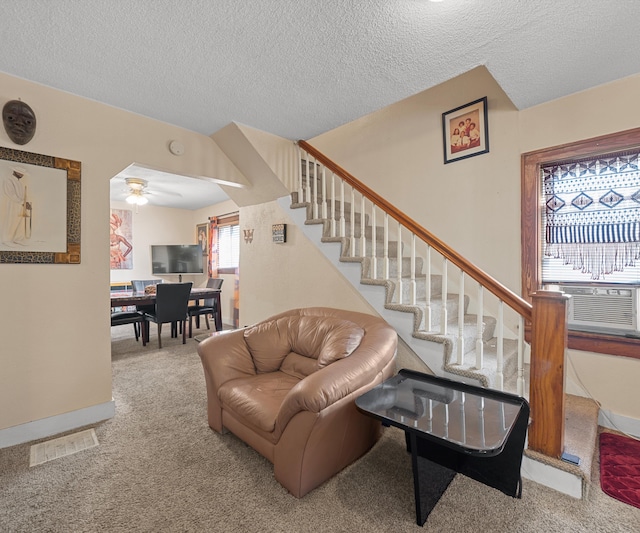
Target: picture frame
point(473, 118)
point(202, 237)
point(40, 220)
point(279, 233)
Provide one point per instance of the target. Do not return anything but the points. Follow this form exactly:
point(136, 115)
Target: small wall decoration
point(202, 237)
point(279, 232)
point(39, 208)
point(465, 131)
point(19, 121)
point(120, 239)
point(248, 235)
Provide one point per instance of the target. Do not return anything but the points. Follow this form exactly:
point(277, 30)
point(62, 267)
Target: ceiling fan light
point(132, 199)
point(142, 200)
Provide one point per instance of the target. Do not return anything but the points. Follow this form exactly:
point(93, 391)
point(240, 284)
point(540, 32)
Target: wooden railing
point(546, 313)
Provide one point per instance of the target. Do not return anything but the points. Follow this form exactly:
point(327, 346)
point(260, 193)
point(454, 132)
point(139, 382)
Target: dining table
point(131, 298)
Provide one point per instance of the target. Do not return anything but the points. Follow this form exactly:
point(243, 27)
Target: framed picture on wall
point(465, 131)
point(202, 237)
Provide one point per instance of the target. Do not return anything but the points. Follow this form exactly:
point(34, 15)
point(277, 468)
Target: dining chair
point(209, 306)
point(139, 286)
point(119, 318)
point(172, 301)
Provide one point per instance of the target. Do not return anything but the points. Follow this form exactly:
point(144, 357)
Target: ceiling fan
point(137, 191)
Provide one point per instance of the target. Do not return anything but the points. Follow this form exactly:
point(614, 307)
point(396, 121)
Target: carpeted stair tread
point(580, 438)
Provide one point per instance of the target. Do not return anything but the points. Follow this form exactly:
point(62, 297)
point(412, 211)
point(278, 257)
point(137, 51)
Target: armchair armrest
point(364, 367)
point(226, 357)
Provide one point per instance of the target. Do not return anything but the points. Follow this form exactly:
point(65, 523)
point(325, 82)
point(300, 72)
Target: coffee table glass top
point(472, 418)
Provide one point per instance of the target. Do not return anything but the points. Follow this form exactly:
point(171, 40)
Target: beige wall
point(277, 277)
point(55, 356)
point(474, 204)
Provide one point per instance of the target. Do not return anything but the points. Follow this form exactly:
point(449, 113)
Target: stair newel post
point(363, 240)
point(461, 319)
point(520, 381)
point(399, 287)
point(480, 328)
point(385, 247)
point(427, 290)
point(500, 347)
point(444, 315)
point(374, 252)
point(324, 193)
point(343, 227)
point(413, 269)
point(548, 347)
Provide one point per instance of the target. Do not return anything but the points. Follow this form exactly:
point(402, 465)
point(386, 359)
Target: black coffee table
point(452, 427)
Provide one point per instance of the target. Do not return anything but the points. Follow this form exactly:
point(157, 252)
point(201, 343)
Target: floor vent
point(62, 446)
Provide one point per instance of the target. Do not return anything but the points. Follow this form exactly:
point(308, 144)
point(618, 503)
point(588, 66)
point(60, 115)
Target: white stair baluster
point(324, 193)
point(480, 328)
point(343, 226)
point(352, 224)
point(461, 320)
point(300, 172)
point(373, 274)
point(444, 314)
point(500, 348)
point(413, 270)
point(385, 248)
point(399, 265)
point(334, 205)
point(363, 240)
point(314, 191)
point(307, 196)
point(427, 290)
point(520, 383)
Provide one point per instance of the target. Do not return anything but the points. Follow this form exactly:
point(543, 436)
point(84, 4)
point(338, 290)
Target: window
point(536, 206)
point(590, 222)
point(228, 247)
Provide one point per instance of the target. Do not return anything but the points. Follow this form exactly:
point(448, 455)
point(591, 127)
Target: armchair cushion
point(325, 339)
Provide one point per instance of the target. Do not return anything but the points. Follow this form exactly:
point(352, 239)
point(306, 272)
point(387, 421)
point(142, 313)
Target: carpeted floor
point(159, 468)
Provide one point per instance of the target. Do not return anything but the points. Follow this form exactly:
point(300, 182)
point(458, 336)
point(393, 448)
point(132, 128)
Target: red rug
point(620, 467)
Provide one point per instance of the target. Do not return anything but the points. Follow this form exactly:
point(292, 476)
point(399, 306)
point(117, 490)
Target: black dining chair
point(172, 301)
point(209, 306)
point(119, 318)
point(138, 287)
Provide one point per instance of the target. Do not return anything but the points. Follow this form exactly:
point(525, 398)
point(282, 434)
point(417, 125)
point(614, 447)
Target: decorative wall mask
point(19, 121)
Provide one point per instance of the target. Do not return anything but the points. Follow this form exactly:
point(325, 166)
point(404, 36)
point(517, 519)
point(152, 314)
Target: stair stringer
point(432, 351)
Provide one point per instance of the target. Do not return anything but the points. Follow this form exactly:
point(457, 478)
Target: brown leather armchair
point(287, 387)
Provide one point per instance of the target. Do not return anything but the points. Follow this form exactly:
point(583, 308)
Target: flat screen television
point(176, 259)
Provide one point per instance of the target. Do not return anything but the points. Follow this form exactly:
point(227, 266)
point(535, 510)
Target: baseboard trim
point(551, 477)
point(53, 425)
point(625, 424)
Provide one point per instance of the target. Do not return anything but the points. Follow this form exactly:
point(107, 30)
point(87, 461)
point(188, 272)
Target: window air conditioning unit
point(603, 309)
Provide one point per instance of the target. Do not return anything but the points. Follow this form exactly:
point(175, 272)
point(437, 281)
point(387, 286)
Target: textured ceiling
point(298, 68)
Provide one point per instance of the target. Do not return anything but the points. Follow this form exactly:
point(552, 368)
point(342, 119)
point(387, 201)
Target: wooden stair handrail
point(505, 294)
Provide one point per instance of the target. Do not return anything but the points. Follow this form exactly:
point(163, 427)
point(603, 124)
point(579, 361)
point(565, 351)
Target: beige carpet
point(159, 468)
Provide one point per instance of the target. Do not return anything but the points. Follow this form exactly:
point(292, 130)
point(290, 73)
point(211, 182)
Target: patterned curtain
point(592, 212)
point(212, 260)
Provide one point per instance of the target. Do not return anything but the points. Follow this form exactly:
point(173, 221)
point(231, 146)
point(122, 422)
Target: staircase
point(436, 349)
point(460, 322)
